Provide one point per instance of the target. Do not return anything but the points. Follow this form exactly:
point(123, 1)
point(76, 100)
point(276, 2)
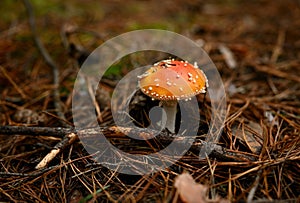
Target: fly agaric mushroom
point(172, 80)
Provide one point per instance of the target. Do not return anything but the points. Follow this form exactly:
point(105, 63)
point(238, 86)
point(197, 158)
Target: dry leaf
point(190, 191)
point(251, 133)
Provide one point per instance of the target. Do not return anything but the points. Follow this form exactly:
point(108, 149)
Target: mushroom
point(172, 80)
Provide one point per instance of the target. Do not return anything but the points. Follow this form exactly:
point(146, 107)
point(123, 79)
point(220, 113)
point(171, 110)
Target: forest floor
point(255, 46)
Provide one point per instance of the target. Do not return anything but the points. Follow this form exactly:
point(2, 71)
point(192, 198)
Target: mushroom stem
point(170, 108)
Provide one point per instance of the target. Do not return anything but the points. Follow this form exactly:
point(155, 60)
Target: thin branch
point(113, 132)
point(68, 140)
point(35, 131)
point(49, 61)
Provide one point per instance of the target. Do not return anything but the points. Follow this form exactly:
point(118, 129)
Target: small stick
point(68, 139)
point(35, 131)
point(114, 132)
point(228, 56)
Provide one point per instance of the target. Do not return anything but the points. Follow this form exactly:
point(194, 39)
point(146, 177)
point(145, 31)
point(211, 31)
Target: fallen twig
point(68, 139)
point(35, 131)
point(228, 56)
point(114, 132)
point(49, 61)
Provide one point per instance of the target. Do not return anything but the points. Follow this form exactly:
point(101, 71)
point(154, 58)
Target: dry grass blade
point(12, 82)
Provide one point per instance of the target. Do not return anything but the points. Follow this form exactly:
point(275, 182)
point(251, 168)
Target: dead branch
point(35, 131)
point(114, 132)
point(49, 61)
point(68, 139)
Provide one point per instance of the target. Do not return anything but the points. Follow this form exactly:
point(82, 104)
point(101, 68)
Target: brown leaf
point(190, 191)
point(251, 133)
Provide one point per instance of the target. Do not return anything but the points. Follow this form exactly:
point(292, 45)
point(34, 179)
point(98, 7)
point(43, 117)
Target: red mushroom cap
point(173, 80)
